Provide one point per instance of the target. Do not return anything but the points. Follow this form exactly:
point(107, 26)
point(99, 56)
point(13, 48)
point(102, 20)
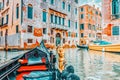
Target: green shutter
point(17, 29)
point(44, 16)
point(51, 1)
point(30, 12)
point(7, 19)
point(63, 5)
point(17, 12)
point(55, 19)
point(63, 21)
point(69, 7)
point(51, 18)
point(68, 23)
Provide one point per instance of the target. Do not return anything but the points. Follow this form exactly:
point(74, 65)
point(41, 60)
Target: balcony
point(60, 27)
point(115, 16)
point(4, 25)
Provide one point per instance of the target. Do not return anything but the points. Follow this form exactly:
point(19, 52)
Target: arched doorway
point(58, 39)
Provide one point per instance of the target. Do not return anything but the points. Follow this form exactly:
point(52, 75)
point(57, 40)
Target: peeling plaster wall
point(38, 6)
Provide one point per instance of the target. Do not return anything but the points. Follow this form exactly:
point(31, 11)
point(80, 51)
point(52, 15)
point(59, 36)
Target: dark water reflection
point(94, 65)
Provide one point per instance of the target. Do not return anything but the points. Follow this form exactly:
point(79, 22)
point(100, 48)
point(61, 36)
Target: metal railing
point(52, 25)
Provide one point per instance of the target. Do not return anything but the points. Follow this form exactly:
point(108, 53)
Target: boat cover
point(39, 75)
point(34, 56)
point(102, 42)
point(44, 49)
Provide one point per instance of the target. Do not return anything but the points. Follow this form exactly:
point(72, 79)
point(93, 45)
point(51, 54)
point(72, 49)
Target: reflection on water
point(94, 65)
point(89, 65)
point(7, 56)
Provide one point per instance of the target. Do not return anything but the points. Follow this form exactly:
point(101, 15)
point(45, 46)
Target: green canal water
point(89, 65)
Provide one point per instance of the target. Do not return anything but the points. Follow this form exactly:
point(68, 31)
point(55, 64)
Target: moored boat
point(82, 46)
point(36, 64)
point(105, 46)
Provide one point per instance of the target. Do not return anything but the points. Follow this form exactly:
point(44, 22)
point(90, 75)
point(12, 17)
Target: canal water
point(89, 65)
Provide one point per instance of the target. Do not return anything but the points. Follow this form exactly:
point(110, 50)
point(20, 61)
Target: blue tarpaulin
point(39, 75)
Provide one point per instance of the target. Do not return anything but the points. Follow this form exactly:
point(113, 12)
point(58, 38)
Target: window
point(17, 11)
point(17, 29)
point(82, 35)
point(64, 40)
point(51, 1)
point(63, 5)
point(2, 21)
point(81, 26)
point(81, 9)
point(89, 34)
point(30, 11)
point(75, 10)
point(7, 19)
point(0, 5)
point(69, 7)
point(7, 3)
point(68, 23)
point(29, 28)
point(115, 30)
point(76, 25)
point(76, 1)
point(59, 20)
point(63, 21)
point(115, 8)
point(51, 40)
point(44, 16)
point(89, 26)
point(30, 40)
point(69, 33)
point(3, 4)
point(44, 0)
point(51, 18)
point(82, 16)
point(44, 31)
point(96, 12)
point(55, 19)
point(1, 33)
point(76, 35)
point(51, 32)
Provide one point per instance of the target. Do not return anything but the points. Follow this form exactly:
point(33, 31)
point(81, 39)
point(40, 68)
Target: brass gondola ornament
point(61, 58)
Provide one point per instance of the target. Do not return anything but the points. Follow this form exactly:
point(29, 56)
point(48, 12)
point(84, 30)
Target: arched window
point(69, 7)
point(30, 11)
point(17, 11)
point(63, 5)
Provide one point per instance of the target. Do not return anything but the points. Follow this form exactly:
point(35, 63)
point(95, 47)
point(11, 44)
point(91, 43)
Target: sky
point(97, 3)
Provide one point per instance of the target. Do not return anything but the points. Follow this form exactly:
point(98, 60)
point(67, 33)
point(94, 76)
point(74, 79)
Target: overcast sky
point(97, 3)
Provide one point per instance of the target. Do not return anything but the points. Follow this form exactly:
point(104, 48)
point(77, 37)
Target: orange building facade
point(111, 20)
point(90, 23)
point(27, 22)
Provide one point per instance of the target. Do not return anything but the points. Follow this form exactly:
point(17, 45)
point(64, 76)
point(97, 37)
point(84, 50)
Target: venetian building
point(111, 20)
point(27, 22)
point(90, 22)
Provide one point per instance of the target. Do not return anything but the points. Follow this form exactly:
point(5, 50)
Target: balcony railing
point(56, 26)
point(115, 16)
